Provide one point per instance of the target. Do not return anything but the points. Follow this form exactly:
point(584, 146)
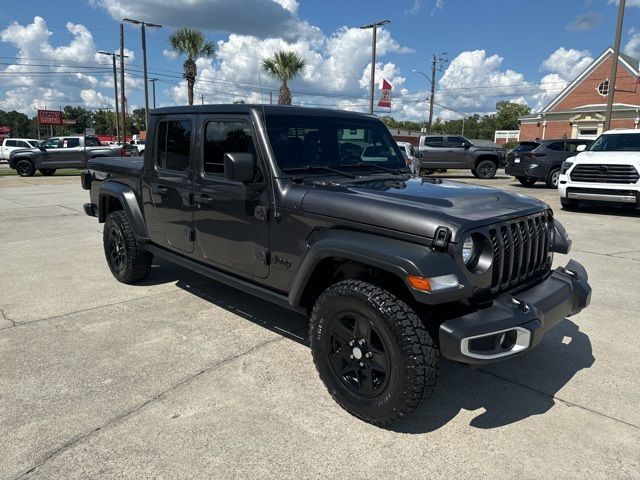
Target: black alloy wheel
point(116, 250)
point(25, 168)
point(486, 169)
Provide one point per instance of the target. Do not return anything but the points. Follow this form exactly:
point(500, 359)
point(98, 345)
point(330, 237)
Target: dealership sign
point(4, 129)
point(49, 117)
point(385, 100)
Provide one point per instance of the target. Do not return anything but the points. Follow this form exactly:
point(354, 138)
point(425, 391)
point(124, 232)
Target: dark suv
point(540, 160)
point(315, 210)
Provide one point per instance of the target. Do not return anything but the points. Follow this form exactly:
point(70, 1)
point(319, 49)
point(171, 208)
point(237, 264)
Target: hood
point(418, 206)
point(24, 150)
point(607, 157)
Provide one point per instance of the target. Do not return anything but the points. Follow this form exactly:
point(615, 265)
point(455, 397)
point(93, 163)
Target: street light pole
point(614, 67)
point(122, 97)
point(144, 63)
point(115, 89)
point(374, 27)
point(153, 84)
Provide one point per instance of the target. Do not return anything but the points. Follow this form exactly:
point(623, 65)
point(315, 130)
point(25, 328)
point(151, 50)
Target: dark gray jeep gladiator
point(316, 211)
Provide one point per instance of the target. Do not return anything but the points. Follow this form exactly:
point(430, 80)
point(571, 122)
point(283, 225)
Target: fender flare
point(130, 204)
point(398, 257)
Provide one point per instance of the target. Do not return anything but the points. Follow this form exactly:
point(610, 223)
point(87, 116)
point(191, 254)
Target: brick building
point(579, 110)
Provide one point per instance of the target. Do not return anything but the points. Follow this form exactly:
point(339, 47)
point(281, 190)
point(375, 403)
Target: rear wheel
point(569, 203)
point(128, 260)
point(47, 171)
point(527, 182)
point(552, 178)
point(372, 351)
point(25, 168)
point(486, 169)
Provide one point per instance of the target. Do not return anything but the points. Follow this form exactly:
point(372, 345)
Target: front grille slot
point(600, 173)
point(520, 249)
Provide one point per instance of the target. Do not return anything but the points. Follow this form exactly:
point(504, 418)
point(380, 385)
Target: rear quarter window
point(526, 147)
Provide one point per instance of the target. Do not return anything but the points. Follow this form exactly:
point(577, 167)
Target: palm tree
point(284, 66)
point(191, 43)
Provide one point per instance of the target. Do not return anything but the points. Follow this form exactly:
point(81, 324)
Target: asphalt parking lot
point(181, 377)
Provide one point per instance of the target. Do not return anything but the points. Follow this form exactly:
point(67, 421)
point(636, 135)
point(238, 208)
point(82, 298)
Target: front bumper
point(516, 323)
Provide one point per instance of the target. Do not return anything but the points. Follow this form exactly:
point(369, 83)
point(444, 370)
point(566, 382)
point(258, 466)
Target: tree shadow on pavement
point(502, 393)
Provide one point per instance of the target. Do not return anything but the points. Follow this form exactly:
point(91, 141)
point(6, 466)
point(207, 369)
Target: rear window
point(526, 147)
point(434, 141)
point(558, 146)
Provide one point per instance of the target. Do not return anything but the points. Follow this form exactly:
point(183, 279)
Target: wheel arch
point(487, 156)
point(117, 196)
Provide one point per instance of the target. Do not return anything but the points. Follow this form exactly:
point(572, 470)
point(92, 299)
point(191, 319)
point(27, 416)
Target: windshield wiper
point(306, 168)
point(379, 167)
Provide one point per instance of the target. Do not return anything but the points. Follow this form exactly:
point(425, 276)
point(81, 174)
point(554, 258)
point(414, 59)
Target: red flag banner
point(385, 100)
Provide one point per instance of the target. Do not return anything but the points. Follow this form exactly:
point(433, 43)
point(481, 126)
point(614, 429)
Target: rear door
point(456, 152)
point(169, 200)
point(555, 153)
point(231, 218)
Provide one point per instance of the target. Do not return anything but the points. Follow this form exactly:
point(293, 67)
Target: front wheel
point(128, 261)
point(372, 352)
point(25, 168)
point(486, 169)
point(47, 171)
point(527, 182)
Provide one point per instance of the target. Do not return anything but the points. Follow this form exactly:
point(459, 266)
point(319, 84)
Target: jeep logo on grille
point(603, 169)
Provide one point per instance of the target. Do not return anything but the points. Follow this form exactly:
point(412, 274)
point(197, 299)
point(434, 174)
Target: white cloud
point(584, 22)
point(53, 76)
point(568, 63)
point(632, 46)
point(261, 18)
point(172, 54)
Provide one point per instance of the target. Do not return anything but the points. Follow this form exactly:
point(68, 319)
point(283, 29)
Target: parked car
point(413, 162)
point(395, 271)
point(540, 160)
point(454, 151)
point(608, 171)
point(60, 152)
point(138, 145)
point(10, 144)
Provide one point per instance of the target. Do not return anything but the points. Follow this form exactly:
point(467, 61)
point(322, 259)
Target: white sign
point(89, 131)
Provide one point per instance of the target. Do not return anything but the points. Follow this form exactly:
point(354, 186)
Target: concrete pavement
point(181, 377)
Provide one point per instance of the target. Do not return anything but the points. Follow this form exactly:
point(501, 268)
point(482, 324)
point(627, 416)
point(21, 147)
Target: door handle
point(162, 191)
point(203, 199)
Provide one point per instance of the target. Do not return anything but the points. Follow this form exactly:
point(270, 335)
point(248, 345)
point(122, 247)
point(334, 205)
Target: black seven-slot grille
point(520, 249)
point(604, 173)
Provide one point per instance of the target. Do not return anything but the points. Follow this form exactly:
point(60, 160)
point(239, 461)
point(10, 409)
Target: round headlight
point(468, 248)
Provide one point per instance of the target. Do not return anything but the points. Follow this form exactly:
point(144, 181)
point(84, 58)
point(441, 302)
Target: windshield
point(34, 143)
point(616, 142)
point(301, 141)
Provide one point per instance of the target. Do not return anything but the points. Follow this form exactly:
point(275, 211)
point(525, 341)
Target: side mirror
point(581, 148)
point(419, 154)
point(239, 167)
point(42, 149)
point(466, 145)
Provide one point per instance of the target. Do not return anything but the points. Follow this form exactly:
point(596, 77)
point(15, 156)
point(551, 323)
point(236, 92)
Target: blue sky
point(498, 50)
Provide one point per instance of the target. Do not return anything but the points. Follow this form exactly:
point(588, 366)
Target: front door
point(169, 192)
point(456, 152)
point(231, 218)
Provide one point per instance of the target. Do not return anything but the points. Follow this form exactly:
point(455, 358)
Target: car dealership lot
point(182, 377)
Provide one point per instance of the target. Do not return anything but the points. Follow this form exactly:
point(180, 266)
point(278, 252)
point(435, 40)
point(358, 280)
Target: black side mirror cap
point(239, 167)
point(561, 241)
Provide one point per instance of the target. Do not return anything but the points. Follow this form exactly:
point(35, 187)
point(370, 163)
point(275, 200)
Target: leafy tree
point(191, 43)
point(138, 119)
point(18, 122)
point(507, 114)
point(284, 66)
point(239, 101)
point(82, 117)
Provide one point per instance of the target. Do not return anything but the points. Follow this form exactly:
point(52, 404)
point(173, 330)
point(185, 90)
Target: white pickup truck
point(11, 144)
point(607, 171)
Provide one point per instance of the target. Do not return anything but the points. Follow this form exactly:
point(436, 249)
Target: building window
point(603, 88)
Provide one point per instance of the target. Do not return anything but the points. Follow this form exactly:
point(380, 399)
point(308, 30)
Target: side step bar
point(222, 277)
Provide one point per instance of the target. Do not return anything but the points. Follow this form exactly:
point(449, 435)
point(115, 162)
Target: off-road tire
point(413, 358)
point(569, 203)
point(135, 264)
point(552, 178)
point(526, 181)
point(25, 168)
point(486, 169)
point(47, 171)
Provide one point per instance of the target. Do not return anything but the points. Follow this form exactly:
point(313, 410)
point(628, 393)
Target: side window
point(70, 142)
point(11, 143)
point(455, 142)
point(22, 144)
point(558, 146)
point(52, 143)
point(91, 142)
point(434, 142)
point(174, 145)
point(225, 137)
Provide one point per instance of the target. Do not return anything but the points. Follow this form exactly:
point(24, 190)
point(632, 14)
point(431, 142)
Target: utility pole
point(614, 67)
point(144, 63)
point(374, 27)
point(153, 83)
point(115, 88)
point(434, 62)
point(202, 99)
point(122, 101)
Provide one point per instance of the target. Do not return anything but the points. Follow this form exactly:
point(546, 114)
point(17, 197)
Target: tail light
point(123, 152)
point(533, 154)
